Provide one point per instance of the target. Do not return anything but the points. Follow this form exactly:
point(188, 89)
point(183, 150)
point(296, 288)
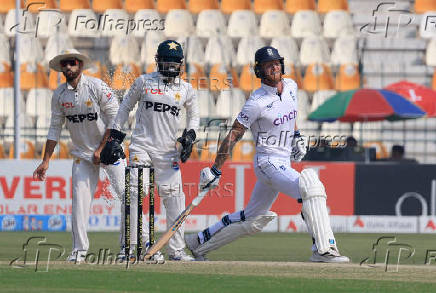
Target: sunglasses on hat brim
point(71, 62)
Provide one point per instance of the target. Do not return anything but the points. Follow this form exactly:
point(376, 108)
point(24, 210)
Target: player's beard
point(274, 77)
point(71, 75)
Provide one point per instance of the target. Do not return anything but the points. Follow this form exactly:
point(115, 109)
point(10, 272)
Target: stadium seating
point(56, 43)
point(197, 6)
point(291, 71)
point(26, 23)
point(430, 59)
point(7, 103)
point(209, 150)
point(70, 5)
point(222, 77)
point(165, 6)
point(51, 22)
point(318, 77)
point(111, 23)
point(305, 23)
point(55, 79)
point(151, 68)
point(247, 47)
point(101, 6)
point(348, 77)
point(274, 23)
point(210, 23)
point(422, 6)
point(344, 51)
point(6, 75)
point(35, 6)
point(314, 50)
point(434, 80)
point(124, 76)
point(293, 6)
point(147, 20)
point(196, 76)
point(149, 47)
point(219, 49)
point(325, 6)
point(30, 49)
point(304, 106)
point(229, 6)
point(427, 28)
point(242, 23)
point(6, 5)
point(83, 23)
point(132, 6)
point(229, 104)
point(380, 147)
point(192, 49)
point(2, 152)
point(244, 151)
point(27, 151)
point(2, 21)
point(32, 75)
point(206, 104)
point(337, 23)
point(124, 50)
point(287, 48)
point(27, 123)
point(262, 6)
point(248, 80)
point(99, 71)
point(179, 23)
point(38, 106)
point(61, 151)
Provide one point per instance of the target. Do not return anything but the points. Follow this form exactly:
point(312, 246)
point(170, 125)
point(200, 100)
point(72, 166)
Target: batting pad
point(315, 210)
point(234, 231)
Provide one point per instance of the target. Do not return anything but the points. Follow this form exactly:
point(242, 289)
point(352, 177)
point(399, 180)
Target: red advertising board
point(20, 194)
point(338, 179)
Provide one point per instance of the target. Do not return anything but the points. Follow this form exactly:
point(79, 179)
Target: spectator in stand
point(397, 155)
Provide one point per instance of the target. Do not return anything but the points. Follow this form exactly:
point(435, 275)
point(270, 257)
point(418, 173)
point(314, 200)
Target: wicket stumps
point(127, 203)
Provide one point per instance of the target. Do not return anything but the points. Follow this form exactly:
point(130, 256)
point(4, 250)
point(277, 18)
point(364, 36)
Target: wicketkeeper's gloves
point(113, 150)
point(186, 140)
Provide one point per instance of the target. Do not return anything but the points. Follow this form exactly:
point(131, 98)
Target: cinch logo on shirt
point(161, 107)
point(78, 118)
point(285, 118)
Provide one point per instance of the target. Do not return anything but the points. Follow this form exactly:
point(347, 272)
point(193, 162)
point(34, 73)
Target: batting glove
point(209, 177)
point(299, 147)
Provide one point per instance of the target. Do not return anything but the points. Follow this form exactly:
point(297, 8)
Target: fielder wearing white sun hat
point(69, 54)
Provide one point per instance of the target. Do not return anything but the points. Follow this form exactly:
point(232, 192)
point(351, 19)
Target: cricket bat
point(177, 223)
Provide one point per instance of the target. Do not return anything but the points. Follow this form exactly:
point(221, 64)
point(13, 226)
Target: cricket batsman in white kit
point(87, 106)
point(270, 113)
point(161, 96)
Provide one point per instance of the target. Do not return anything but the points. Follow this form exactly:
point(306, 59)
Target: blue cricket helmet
point(266, 54)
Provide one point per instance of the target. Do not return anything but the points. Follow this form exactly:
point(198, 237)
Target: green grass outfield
point(266, 262)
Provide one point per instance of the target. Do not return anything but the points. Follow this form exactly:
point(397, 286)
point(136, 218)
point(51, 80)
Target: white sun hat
point(68, 54)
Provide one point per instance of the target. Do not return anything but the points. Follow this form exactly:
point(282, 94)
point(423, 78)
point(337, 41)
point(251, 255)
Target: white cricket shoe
point(180, 255)
point(77, 256)
point(122, 254)
point(331, 256)
point(192, 244)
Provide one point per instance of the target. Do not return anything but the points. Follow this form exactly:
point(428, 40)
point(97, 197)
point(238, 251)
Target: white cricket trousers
point(85, 178)
point(168, 180)
point(274, 174)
